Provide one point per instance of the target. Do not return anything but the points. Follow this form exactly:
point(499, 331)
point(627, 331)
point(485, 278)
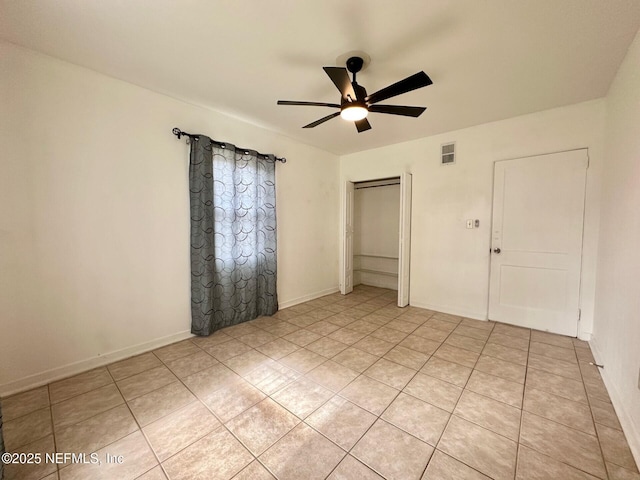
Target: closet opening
point(377, 216)
point(376, 223)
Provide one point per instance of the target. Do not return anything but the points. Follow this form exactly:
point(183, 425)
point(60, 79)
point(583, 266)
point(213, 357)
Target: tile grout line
point(53, 431)
point(230, 432)
point(197, 439)
point(198, 399)
point(604, 460)
point(524, 389)
point(310, 426)
point(453, 412)
point(15, 447)
point(113, 380)
point(560, 423)
point(125, 401)
point(378, 417)
point(105, 367)
point(347, 452)
point(556, 459)
point(401, 391)
point(380, 357)
point(82, 393)
point(566, 426)
point(108, 410)
point(490, 398)
point(146, 439)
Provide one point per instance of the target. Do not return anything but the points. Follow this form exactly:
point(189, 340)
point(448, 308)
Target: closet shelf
point(377, 272)
point(374, 256)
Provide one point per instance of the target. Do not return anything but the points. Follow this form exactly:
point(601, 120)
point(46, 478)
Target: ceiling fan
point(355, 104)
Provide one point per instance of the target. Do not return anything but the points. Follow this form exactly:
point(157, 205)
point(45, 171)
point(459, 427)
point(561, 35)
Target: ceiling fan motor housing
point(354, 64)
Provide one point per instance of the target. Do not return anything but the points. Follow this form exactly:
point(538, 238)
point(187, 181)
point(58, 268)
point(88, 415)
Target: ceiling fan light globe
point(354, 113)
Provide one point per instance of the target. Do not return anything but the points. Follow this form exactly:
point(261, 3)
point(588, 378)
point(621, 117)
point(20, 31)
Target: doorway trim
point(404, 254)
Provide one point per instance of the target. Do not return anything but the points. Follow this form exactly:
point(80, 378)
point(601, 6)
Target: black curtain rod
point(179, 133)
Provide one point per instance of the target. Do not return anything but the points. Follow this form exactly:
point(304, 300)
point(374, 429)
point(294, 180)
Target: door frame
point(346, 237)
point(584, 219)
point(344, 185)
point(404, 239)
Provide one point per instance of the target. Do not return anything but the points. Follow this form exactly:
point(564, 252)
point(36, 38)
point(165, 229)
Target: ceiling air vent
point(448, 151)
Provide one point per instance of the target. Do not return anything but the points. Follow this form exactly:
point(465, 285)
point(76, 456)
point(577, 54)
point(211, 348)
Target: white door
point(346, 285)
point(404, 250)
point(536, 244)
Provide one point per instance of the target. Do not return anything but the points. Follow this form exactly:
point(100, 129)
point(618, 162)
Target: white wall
point(450, 264)
point(376, 230)
point(94, 216)
point(376, 220)
point(616, 334)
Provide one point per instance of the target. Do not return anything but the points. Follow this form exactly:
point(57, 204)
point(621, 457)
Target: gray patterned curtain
point(233, 236)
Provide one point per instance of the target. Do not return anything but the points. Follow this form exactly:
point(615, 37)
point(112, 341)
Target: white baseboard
point(380, 283)
point(58, 373)
point(586, 336)
point(450, 310)
point(306, 298)
point(629, 428)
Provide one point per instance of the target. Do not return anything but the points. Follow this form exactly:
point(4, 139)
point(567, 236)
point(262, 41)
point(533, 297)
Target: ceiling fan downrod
point(354, 65)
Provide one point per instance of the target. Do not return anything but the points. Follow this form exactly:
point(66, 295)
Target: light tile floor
point(336, 388)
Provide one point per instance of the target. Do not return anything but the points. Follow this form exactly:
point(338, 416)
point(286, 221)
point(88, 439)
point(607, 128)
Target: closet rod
point(375, 272)
point(375, 186)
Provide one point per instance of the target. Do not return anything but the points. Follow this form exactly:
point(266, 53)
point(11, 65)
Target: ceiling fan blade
point(322, 120)
point(398, 110)
point(313, 104)
point(362, 125)
point(413, 82)
point(340, 77)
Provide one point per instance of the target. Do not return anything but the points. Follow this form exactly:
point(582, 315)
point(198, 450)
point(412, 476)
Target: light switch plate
point(469, 223)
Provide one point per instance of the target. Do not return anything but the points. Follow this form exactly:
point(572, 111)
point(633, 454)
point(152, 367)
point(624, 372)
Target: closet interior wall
point(376, 233)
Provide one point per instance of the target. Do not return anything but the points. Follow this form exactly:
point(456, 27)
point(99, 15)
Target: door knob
point(496, 250)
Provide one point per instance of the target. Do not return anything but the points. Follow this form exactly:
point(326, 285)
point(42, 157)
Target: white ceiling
point(489, 59)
